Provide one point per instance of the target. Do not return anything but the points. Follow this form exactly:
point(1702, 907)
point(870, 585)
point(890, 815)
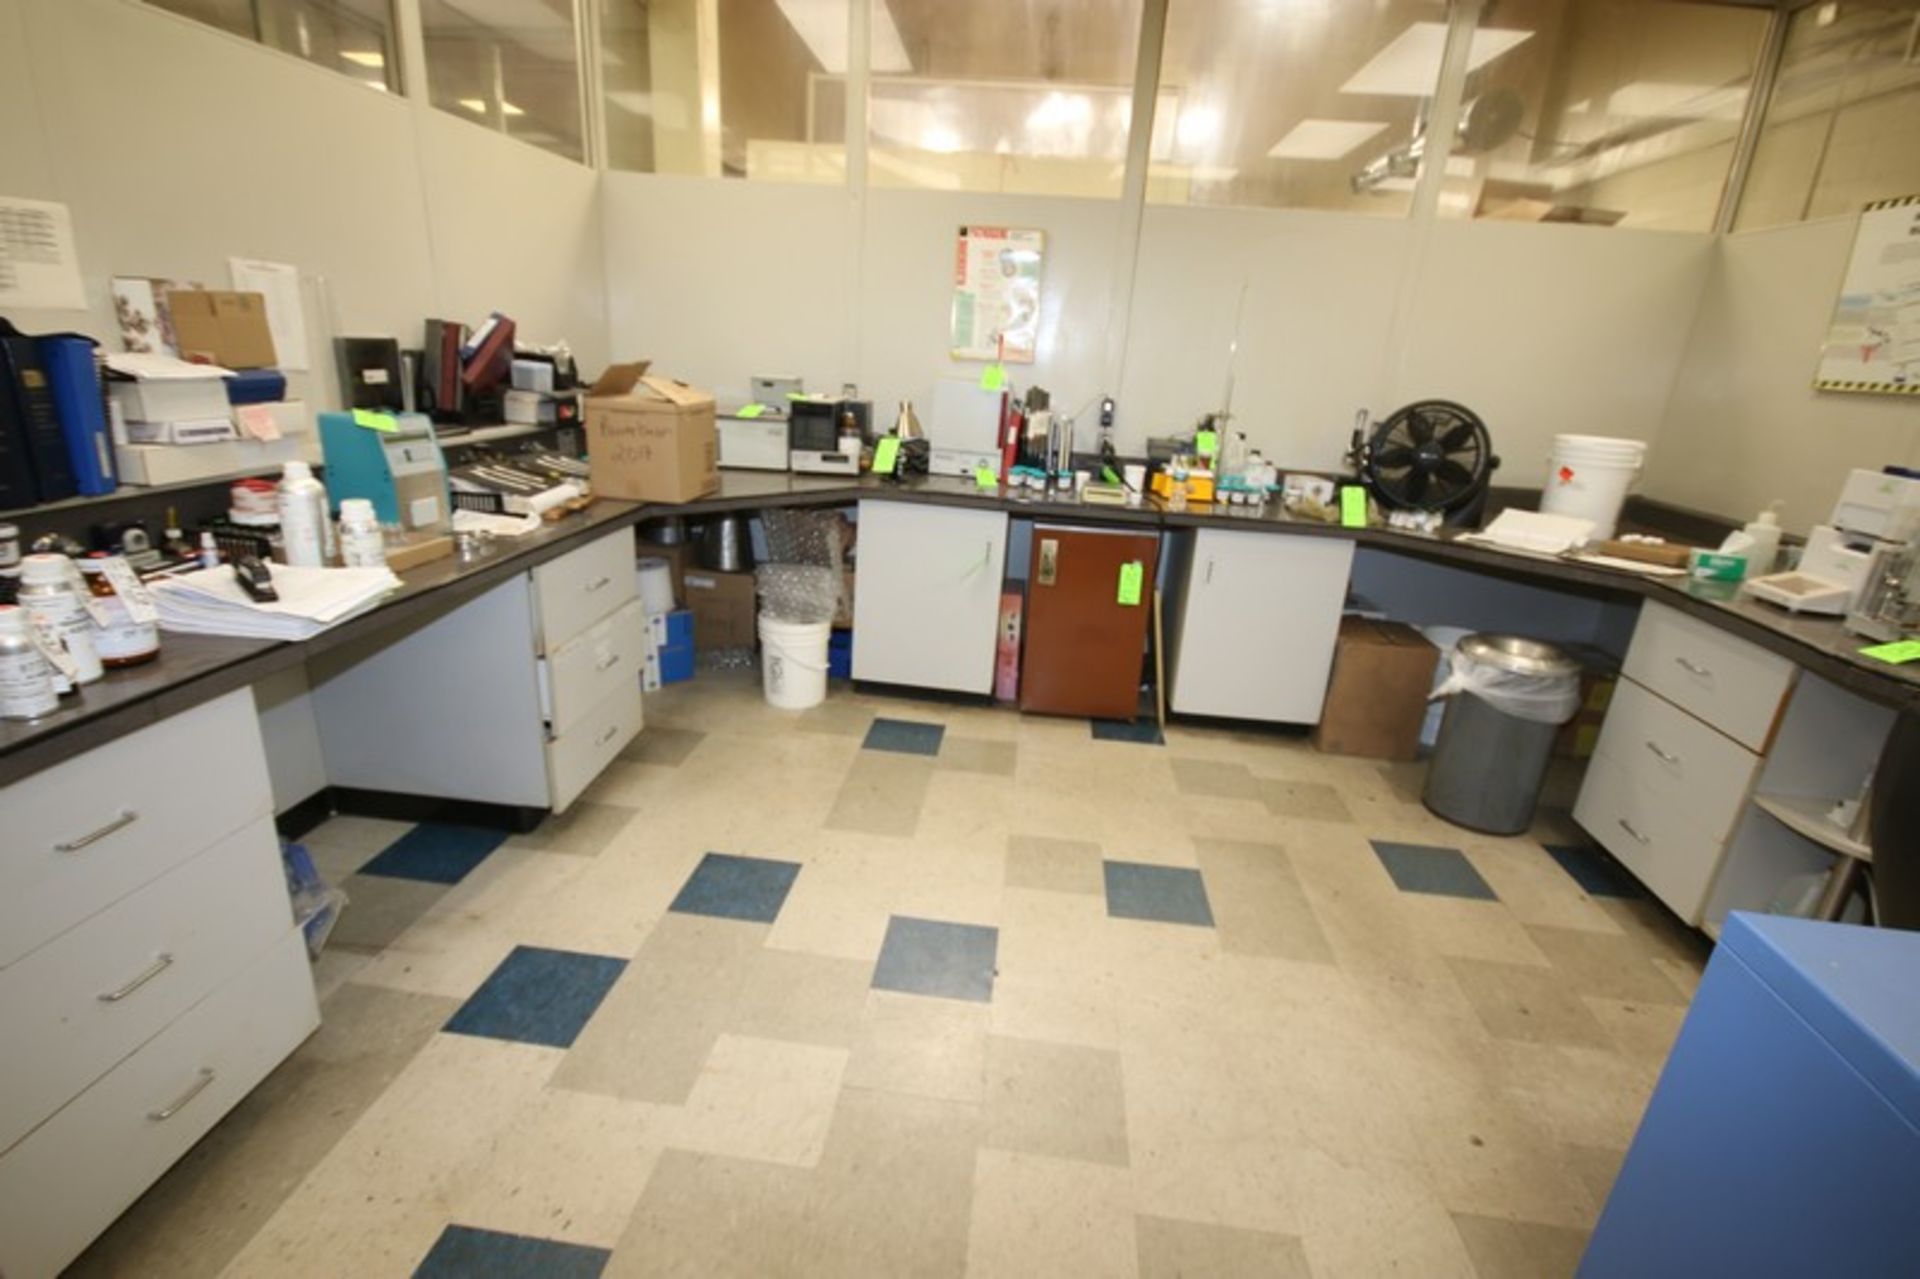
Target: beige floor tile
point(345, 830)
point(380, 908)
point(335, 968)
point(1643, 1031)
point(1484, 1155)
point(1357, 1223)
point(1468, 928)
point(663, 745)
point(882, 795)
point(1170, 1249)
point(1609, 967)
point(583, 830)
point(836, 717)
point(1258, 904)
point(1056, 938)
point(714, 1217)
point(801, 998)
point(1058, 865)
point(199, 1215)
point(1214, 779)
point(935, 1048)
point(1533, 1005)
point(841, 903)
point(761, 1099)
point(1532, 886)
point(1581, 1096)
point(1075, 1012)
point(1061, 1100)
point(992, 758)
point(1305, 801)
point(1504, 1249)
point(1595, 1167)
point(1035, 1216)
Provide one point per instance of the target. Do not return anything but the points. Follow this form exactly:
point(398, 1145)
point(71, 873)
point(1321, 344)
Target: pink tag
point(257, 421)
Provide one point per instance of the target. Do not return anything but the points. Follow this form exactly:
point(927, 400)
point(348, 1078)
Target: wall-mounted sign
point(996, 293)
point(1873, 344)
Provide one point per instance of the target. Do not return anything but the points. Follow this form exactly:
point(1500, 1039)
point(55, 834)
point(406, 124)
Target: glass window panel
point(1610, 112)
point(1843, 126)
point(1300, 104)
point(353, 37)
point(1032, 96)
point(726, 88)
point(512, 65)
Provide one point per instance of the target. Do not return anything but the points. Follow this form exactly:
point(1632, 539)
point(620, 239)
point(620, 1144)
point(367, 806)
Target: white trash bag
point(1544, 699)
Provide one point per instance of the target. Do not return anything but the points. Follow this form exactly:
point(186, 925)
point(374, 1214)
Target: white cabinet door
point(926, 605)
point(1257, 629)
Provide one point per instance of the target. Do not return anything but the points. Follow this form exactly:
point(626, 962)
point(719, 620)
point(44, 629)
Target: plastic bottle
point(209, 550)
point(124, 638)
point(1765, 532)
point(50, 594)
point(26, 680)
point(302, 504)
point(362, 545)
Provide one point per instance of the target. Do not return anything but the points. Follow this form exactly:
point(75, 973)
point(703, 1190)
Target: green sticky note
point(1206, 443)
point(1133, 577)
point(1353, 507)
point(1110, 475)
point(886, 454)
point(983, 476)
point(1897, 652)
point(751, 410)
point(993, 378)
point(375, 421)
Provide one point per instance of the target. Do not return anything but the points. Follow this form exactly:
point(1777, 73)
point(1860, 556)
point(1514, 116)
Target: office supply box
point(650, 438)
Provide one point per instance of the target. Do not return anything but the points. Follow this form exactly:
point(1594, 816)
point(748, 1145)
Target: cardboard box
point(229, 329)
point(1377, 696)
point(723, 609)
point(649, 438)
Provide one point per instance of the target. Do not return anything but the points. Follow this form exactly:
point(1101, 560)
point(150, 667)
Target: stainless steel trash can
point(1488, 763)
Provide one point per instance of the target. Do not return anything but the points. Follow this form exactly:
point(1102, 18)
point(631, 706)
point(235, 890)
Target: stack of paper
point(1533, 531)
point(211, 602)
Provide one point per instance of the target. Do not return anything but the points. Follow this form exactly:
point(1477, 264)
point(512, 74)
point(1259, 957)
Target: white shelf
point(1808, 818)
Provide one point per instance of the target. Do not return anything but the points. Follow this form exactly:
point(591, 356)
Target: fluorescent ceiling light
point(1410, 66)
point(940, 138)
point(364, 57)
point(507, 108)
point(479, 107)
point(1324, 139)
point(823, 25)
point(1197, 126)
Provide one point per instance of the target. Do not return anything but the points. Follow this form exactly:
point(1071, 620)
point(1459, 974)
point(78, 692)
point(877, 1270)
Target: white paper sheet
point(39, 266)
point(279, 284)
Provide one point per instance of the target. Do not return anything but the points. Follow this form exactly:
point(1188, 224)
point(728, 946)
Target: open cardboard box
point(651, 438)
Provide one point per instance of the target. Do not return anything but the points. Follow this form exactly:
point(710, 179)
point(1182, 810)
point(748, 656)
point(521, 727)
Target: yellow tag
point(374, 421)
point(985, 478)
point(886, 454)
point(1206, 443)
point(751, 410)
point(1132, 577)
point(1897, 652)
point(1353, 507)
point(993, 377)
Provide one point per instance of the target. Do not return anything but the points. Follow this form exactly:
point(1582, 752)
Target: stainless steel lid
point(1521, 656)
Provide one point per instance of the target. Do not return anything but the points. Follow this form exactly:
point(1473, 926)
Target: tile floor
point(892, 987)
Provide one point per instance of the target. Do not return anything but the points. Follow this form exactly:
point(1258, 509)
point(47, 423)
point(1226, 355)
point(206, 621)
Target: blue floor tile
point(749, 888)
point(435, 852)
point(1143, 730)
point(906, 736)
point(1594, 871)
point(538, 996)
point(927, 957)
point(1445, 872)
point(1168, 894)
point(463, 1252)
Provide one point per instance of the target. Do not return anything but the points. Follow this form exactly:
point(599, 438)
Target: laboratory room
point(866, 638)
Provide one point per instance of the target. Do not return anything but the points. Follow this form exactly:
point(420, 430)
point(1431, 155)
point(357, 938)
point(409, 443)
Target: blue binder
point(80, 404)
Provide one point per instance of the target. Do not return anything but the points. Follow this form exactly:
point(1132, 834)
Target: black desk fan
point(1432, 455)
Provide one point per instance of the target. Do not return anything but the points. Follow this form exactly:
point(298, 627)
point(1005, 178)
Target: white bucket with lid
point(793, 662)
point(1589, 475)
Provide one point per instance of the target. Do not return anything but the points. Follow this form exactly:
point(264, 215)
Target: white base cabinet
point(926, 610)
point(1253, 623)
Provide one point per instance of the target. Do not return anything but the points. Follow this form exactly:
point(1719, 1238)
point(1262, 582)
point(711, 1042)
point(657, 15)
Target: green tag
point(1110, 475)
point(1132, 577)
point(1353, 507)
point(374, 421)
point(993, 377)
point(983, 476)
point(797, 395)
point(1897, 652)
point(1206, 443)
point(751, 410)
point(886, 454)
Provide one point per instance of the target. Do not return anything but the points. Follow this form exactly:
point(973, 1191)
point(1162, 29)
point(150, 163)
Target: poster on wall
point(38, 264)
point(1873, 343)
point(996, 293)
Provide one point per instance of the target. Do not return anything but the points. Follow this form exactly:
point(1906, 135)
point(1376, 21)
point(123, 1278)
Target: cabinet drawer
point(1690, 768)
point(81, 1003)
point(83, 834)
point(1733, 685)
point(576, 757)
point(75, 1173)
point(1672, 857)
point(590, 667)
point(583, 586)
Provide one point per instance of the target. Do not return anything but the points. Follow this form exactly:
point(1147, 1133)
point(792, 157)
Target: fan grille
point(1432, 455)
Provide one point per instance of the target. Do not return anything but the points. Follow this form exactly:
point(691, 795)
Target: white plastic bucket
point(1588, 476)
point(793, 662)
point(656, 586)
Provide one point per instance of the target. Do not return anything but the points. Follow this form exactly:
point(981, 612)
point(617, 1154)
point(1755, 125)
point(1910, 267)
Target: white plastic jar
point(50, 591)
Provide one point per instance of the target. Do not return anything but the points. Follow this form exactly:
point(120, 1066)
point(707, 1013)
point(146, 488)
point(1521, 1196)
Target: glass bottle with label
point(26, 678)
point(129, 632)
point(50, 592)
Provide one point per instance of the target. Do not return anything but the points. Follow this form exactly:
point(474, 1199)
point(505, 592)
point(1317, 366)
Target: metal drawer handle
point(597, 583)
point(1693, 668)
point(608, 662)
point(613, 730)
point(126, 818)
point(1665, 756)
point(160, 965)
point(179, 1103)
point(1627, 826)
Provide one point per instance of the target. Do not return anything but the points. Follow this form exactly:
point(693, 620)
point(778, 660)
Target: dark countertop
point(193, 669)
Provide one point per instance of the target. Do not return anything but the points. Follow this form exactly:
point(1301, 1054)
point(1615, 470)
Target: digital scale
point(1838, 563)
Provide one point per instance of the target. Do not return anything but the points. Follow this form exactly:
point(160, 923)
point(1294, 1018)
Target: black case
point(34, 463)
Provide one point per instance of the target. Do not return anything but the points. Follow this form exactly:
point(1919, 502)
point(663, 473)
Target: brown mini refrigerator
point(1089, 603)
